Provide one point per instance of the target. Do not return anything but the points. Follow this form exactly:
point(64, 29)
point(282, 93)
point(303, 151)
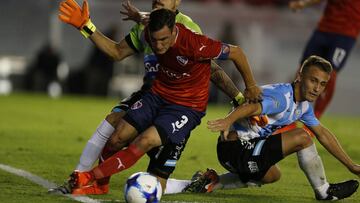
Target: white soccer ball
point(142, 187)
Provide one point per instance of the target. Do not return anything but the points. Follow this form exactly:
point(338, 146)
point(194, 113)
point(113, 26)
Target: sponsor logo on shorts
point(339, 56)
point(253, 167)
point(137, 105)
point(179, 124)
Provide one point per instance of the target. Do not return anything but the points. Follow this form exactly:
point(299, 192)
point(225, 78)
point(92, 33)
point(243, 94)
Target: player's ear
point(298, 76)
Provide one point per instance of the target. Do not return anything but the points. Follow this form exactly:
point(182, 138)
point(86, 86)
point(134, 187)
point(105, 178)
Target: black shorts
point(250, 159)
point(163, 159)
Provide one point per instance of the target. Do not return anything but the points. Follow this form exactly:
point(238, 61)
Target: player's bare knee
point(272, 175)
point(300, 139)
point(305, 138)
point(116, 140)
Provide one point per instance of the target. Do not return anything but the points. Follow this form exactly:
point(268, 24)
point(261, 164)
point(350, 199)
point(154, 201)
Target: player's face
point(162, 40)
point(168, 4)
point(313, 83)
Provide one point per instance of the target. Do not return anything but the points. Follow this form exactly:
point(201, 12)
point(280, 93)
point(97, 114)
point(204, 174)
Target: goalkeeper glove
point(71, 13)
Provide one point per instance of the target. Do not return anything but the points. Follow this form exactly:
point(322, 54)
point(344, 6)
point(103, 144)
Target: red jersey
point(184, 71)
point(341, 17)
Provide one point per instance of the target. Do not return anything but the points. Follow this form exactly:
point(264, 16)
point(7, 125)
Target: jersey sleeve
point(134, 38)
point(204, 48)
point(309, 118)
point(273, 102)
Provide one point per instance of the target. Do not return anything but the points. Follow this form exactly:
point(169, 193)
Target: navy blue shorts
point(333, 47)
point(173, 122)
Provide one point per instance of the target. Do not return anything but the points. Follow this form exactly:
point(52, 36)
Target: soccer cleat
point(80, 179)
point(341, 190)
point(61, 190)
point(203, 182)
point(76, 180)
point(93, 189)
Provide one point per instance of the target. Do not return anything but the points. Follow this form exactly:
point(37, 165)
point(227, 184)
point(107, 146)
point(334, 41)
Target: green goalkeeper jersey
point(136, 40)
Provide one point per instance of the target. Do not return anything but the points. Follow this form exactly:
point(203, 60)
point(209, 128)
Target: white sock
point(310, 162)
point(232, 181)
point(174, 186)
point(94, 146)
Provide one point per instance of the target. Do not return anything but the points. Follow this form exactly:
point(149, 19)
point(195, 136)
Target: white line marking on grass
point(44, 183)
point(47, 184)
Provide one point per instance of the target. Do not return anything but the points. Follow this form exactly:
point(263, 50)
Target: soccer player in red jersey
point(134, 40)
point(333, 39)
point(161, 121)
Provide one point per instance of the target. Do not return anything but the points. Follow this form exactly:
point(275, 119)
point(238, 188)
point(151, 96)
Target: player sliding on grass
point(135, 42)
point(161, 121)
point(250, 152)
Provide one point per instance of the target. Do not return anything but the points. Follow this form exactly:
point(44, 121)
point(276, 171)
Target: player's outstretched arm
point(252, 92)
point(301, 4)
point(332, 145)
point(225, 84)
point(79, 17)
point(116, 51)
point(243, 111)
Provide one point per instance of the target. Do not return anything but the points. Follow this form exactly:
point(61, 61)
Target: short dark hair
point(161, 17)
point(317, 61)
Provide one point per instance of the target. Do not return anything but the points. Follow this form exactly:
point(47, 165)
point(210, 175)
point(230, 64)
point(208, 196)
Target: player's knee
point(272, 175)
point(117, 141)
point(113, 118)
point(147, 142)
point(301, 139)
point(304, 138)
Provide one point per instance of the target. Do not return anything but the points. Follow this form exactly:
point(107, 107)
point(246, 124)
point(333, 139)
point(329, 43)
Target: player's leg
point(310, 162)
point(137, 119)
point(174, 124)
point(96, 143)
point(252, 161)
point(126, 158)
point(338, 49)
point(163, 160)
point(102, 134)
point(171, 124)
point(98, 140)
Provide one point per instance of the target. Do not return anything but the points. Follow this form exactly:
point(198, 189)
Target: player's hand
point(253, 94)
point(71, 13)
point(133, 13)
point(297, 5)
point(220, 125)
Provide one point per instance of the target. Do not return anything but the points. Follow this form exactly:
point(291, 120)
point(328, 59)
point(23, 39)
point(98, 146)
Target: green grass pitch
point(46, 136)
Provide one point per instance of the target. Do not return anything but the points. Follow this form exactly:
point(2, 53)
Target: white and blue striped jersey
point(280, 108)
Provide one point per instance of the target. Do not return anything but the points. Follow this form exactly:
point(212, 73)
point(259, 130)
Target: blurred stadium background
point(37, 50)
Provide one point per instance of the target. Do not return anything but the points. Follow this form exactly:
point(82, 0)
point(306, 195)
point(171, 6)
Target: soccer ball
point(142, 187)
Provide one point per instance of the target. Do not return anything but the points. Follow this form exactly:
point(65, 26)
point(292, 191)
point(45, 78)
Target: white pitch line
point(44, 183)
point(47, 184)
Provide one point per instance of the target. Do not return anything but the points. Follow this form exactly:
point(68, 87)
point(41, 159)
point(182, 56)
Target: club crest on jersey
point(182, 60)
point(137, 105)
